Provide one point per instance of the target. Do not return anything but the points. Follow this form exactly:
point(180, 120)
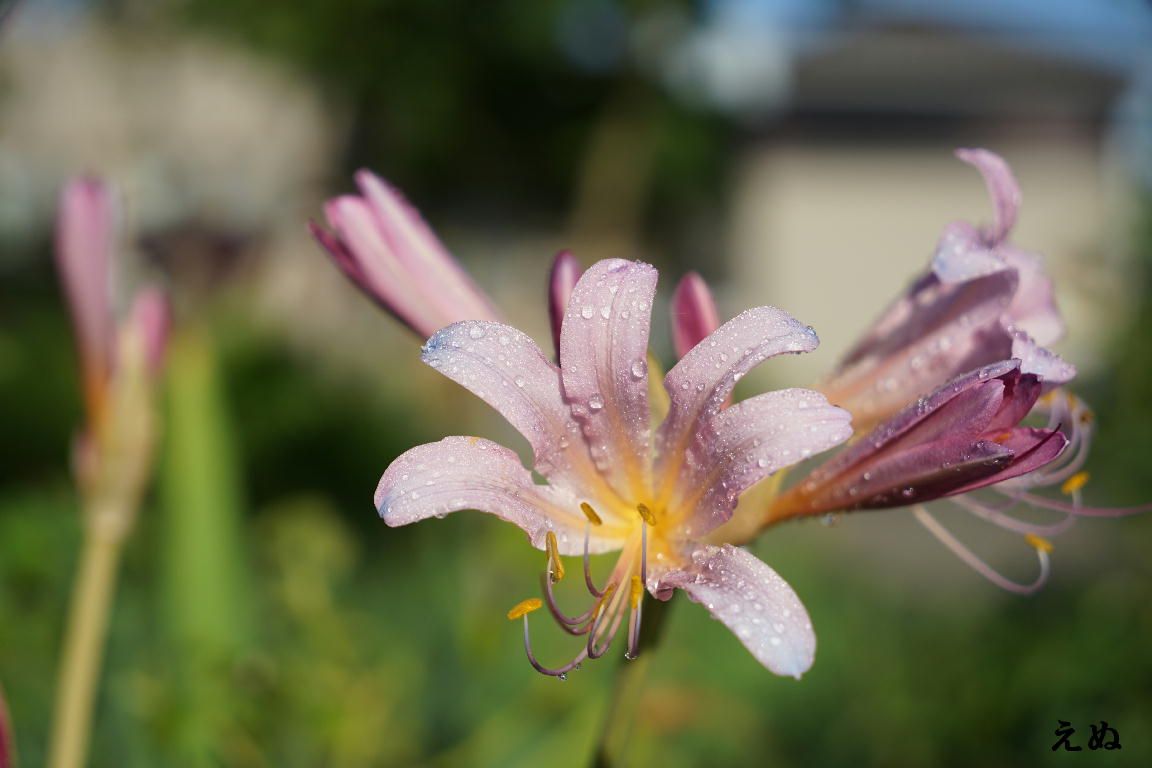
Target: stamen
point(590, 513)
point(588, 565)
point(524, 607)
point(560, 672)
point(1040, 543)
point(646, 514)
point(1074, 483)
point(637, 591)
point(975, 562)
point(555, 565)
point(570, 624)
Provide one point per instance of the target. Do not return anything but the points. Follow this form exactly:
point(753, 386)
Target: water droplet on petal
point(520, 381)
point(476, 332)
point(562, 676)
point(587, 312)
point(596, 402)
point(640, 368)
point(605, 311)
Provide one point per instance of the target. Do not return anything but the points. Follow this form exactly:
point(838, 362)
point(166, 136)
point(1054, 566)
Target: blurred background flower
point(794, 153)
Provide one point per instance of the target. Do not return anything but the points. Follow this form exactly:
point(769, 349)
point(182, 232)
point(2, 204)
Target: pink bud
point(566, 270)
point(694, 315)
point(84, 240)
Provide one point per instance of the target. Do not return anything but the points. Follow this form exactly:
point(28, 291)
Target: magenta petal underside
point(604, 365)
point(906, 420)
point(459, 473)
point(1031, 449)
point(754, 602)
point(920, 473)
point(694, 315)
point(505, 368)
point(750, 441)
point(704, 378)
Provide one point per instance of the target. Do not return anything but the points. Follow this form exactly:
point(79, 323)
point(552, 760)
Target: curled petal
point(754, 602)
point(1002, 188)
point(694, 315)
point(506, 369)
point(458, 473)
point(701, 382)
point(562, 280)
point(604, 364)
point(84, 240)
point(750, 441)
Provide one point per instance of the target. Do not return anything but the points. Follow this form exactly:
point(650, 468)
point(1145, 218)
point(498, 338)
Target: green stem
point(627, 692)
point(84, 647)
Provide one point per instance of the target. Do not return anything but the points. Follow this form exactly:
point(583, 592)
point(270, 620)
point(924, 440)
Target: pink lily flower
point(119, 365)
point(614, 483)
point(384, 247)
point(984, 301)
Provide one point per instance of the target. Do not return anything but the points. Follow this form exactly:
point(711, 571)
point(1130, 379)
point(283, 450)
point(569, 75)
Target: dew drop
point(476, 332)
point(519, 381)
point(562, 677)
point(587, 312)
point(639, 368)
point(596, 402)
point(605, 311)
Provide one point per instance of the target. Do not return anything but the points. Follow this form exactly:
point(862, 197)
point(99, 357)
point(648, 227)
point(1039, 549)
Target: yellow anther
point(646, 514)
point(605, 598)
point(1074, 483)
point(590, 513)
point(555, 564)
point(1086, 416)
point(1002, 438)
point(524, 607)
point(637, 591)
point(1039, 542)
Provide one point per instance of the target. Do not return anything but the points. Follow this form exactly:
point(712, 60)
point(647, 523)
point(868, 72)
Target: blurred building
point(847, 176)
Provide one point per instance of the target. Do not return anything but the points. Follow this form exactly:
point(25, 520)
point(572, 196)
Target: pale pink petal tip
point(754, 602)
point(151, 316)
point(84, 240)
point(1052, 369)
point(566, 271)
point(694, 315)
point(1002, 188)
point(460, 473)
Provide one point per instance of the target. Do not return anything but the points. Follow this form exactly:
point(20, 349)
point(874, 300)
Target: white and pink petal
point(702, 381)
point(750, 441)
point(507, 370)
point(604, 364)
point(458, 473)
point(754, 602)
